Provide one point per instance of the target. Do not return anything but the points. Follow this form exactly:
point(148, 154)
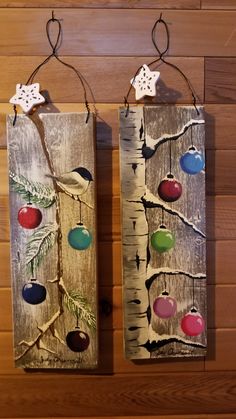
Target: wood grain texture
point(220, 174)
point(220, 79)
point(218, 4)
point(109, 267)
point(108, 321)
point(220, 307)
point(118, 32)
point(217, 118)
point(215, 416)
point(206, 396)
point(116, 4)
point(171, 88)
point(106, 123)
point(220, 343)
point(220, 263)
point(144, 155)
point(5, 265)
point(111, 359)
point(38, 148)
point(151, 417)
point(221, 303)
point(139, 395)
point(6, 309)
point(220, 215)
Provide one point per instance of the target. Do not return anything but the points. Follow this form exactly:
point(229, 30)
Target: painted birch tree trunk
point(41, 148)
point(152, 140)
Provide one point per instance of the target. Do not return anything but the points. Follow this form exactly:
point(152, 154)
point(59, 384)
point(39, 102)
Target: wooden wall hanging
point(163, 231)
point(53, 240)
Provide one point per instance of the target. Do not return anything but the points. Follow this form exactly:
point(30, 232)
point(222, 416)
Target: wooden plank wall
point(107, 40)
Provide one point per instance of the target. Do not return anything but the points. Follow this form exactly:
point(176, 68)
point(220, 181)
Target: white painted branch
point(155, 337)
point(153, 143)
point(165, 270)
point(153, 201)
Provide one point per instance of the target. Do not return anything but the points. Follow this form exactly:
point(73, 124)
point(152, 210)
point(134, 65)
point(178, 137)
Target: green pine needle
point(37, 192)
point(39, 244)
point(79, 307)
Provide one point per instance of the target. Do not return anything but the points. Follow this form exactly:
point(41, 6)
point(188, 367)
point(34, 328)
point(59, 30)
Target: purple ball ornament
point(165, 306)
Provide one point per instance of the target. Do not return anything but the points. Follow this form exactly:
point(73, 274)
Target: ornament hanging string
point(163, 60)
point(55, 46)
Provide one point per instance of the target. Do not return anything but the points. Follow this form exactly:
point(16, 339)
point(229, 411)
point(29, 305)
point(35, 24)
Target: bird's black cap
point(85, 173)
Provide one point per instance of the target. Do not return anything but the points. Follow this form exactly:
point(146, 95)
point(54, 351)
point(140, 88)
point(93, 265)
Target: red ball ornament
point(193, 323)
point(29, 217)
point(164, 306)
point(170, 189)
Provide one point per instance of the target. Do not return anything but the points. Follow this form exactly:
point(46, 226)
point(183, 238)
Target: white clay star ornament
point(27, 96)
point(145, 82)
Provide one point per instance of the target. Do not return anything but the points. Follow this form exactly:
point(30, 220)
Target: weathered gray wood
point(69, 142)
point(182, 271)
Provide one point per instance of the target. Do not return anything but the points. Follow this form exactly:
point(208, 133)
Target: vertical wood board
point(38, 148)
point(152, 141)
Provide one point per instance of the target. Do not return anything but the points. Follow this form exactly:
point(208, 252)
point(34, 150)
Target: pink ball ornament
point(164, 306)
point(193, 323)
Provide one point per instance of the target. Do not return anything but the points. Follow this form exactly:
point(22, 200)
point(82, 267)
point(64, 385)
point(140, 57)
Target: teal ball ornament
point(162, 239)
point(79, 237)
point(192, 162)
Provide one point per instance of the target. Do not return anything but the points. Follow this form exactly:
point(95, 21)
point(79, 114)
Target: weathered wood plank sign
point(53, 240)
point(163, 232)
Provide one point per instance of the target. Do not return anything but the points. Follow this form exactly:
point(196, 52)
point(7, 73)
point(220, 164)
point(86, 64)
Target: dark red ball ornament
point(29, 217)
point(170, 189)
point(77, 340)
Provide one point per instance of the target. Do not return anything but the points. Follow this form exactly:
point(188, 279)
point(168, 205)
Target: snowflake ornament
point(27, 96)
point(145, 82)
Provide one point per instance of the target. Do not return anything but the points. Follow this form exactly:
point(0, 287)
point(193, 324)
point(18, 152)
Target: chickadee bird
point(74, 183)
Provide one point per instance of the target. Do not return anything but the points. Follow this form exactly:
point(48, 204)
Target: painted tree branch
point(153, 273)
point(43, 329)
point(151, 144)
point(153, 346)
point(151, 201)
point(50, 324)
point(157, 341)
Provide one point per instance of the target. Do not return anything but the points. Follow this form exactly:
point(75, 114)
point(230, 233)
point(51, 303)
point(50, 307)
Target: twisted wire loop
point(161, 54)
point(55, 46)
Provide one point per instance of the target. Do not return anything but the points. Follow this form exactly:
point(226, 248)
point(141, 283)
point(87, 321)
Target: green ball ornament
point(79, 237)
point(162, 239)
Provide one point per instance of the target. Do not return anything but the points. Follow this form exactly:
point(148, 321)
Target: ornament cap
point(192, 148)
point(170, 176)
point(193, 310)
point(165, 293)
point(162, 226)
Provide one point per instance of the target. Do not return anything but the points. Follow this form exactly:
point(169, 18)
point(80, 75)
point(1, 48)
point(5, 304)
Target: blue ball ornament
point(33, 292)
point(79, 237)
point(192, 162)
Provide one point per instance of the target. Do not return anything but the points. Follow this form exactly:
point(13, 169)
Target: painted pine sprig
point(40, 194)
point(80, 308)
point(39, 244)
